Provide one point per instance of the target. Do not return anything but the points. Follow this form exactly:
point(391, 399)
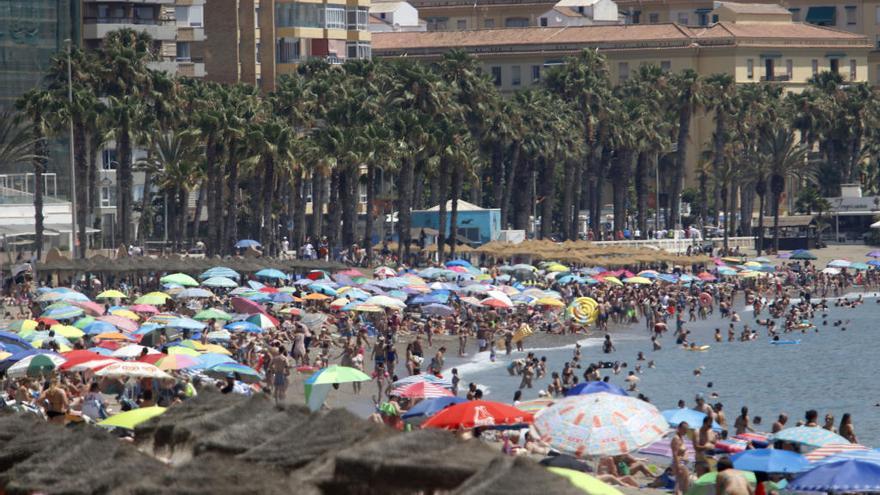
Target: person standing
point(679, 459)
point(846, 428)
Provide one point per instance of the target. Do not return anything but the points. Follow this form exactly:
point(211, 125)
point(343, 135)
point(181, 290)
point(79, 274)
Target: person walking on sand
point(679, 459)
point(280, 368)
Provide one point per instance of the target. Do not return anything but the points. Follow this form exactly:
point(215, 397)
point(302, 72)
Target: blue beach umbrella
point(243, 326)
point(322, 289)
point(210, 359)
point(96, 327)
point(851, 476)
point(692, 417)
point(771, 461)
point(246, 243)
point(272, 273)
point(430, 407)
point(243, 373)
point(222, 282)
point(220, 271)
point(595, 388)
point(811, 436)
point(438, 310)
point(185, 323)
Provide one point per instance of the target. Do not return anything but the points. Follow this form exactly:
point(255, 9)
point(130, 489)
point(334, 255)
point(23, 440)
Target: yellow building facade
point(751, 50)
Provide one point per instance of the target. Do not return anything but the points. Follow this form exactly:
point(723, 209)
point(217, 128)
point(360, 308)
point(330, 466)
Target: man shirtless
point(280, 368)
point(56, 402)
point(706, 439)
point(731, 481)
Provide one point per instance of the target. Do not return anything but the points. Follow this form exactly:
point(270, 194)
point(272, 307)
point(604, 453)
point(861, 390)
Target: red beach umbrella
point(477, 413)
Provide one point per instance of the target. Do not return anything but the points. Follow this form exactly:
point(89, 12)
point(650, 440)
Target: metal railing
point(780, 77)
point(126, 20)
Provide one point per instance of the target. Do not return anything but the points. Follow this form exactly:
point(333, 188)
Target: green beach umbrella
point(84, 322)
point(318, 385)
point(212, 314)
point(130, 419)
point(705, 485)
point(179, 279)
point(154, 298)
point(35, 365)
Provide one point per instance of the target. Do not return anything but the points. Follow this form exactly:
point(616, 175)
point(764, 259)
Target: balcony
point(190, 33)
point(190, 68)
point(96, 28)
point(777, 78)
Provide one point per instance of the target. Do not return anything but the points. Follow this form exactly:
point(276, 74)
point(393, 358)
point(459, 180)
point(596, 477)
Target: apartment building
point(752, 42)
point(255, 41)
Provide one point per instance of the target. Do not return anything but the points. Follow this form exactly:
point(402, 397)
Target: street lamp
point(73, 233)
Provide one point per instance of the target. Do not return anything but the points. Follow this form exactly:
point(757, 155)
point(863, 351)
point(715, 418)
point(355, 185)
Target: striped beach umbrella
point(862, 455)
point(811, 436)
point(421, 390)
point(833, 449)
point(600, 425)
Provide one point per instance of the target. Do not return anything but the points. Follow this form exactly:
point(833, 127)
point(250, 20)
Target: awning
point(822, 16)
point(23, 230)
point(65, 228)
point(789, 221)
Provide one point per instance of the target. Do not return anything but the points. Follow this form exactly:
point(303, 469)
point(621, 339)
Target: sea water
point(832, 370)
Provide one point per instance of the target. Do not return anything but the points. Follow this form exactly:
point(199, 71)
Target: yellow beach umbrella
point(556, 267)
point(186, 351)
point(637, 281)
point(154, 298)
point(612, 280)
point(130, 419)
point(585, 482)
point(752, 264)
point(549, 301)
point(67, 331)
point(748, 274)
point(111, 294)
point(126, 313)
point(316, 296)
point(217, 349)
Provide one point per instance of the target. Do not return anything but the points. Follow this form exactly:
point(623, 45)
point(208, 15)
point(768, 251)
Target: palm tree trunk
point(268, 197)
point(350, 203)
point(453, 216)
point(334, 211)
point(498, 176)
point(776, 199)
point(443, 195)
point(642, 193)
point(123, 181)
point(567, 194)
point(231, 230)
point(747, 205)
point(404, 207)
point(509, 183)
point(80, 159)
point(684, 128)
point(39, 165)
point(183, 215)
point(620, 187)
point(299, 210)
point(548, 184)
point(211, 166)
point(760, 242)
point(724, 200)
point(574, 222)
point(368, 221)
point(417, 178)
point(197, 215)
point(93, 172)
point(146, 209)
point(317, 205)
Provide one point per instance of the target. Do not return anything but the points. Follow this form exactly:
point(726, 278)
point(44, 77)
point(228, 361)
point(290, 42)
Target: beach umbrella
point(212, 314)
point(83, 322)
point(323, 289)
point(243, 326)
point(111, 294)
point(432, 406)
point(438, 310)
point(706, 277)
point(242, 305)
point(181, 350)
point(873, 254)
point(770, 461)
point(220, 282)
point(128, 420)
point(802, 254)
point(663, 448)
point(186, 324)
point(585, 482)
point(154, 298)
point(221, 272)
point(384, 271)
point(839, 263)
point(19, 326)
point(113, 336)
point(209, 359)
point(91, 308)
point(125, 313)
point(74, 358)
point(859, 266)
point(583, 310)
point(318, 385)
point(176, 362)
point(194, 293)
point(726, 270)
point(63, 313)
point(444, 382)
point(144, 308)
point(132, 351)
point(600, 424)
point(35, 365)
point(247, 243)
point(705, 485)
point(831, 271)
point(535, 405)
point(96, 327)
point(421, 390)
point(692, 417)
point(239, 371)
point(549, 301)
point(847, 476)
point(471, 414)
point(119, 322)
point(133, 369)
point(811, 436)
point(831, 449)
point(637, 281)
point(272, 273)
point(862, 455)
point(386, 302)
point(67, 331)
point(179, 279)
point(595, 388)
point(261, 320)
point(219, 335)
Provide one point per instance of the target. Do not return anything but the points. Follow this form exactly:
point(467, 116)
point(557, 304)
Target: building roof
point(385, 7)
point(565, 38)
point(431, 4)
point(755, 8)
point(462, 206)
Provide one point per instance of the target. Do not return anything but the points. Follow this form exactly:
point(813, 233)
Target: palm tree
point(175, 158)
point(125, 82)
point(21, 144)
point(787, 158)
point(721, 99)
point(689, 96)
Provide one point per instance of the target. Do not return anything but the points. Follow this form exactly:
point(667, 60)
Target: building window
point(108, 196)
point(362, 192)
point(288, 50)
point(191, 16)
point(496, 75)
point(488, 23)
point(461, 24)
point(515, 75)
point(334, 17)
point(637, 17)
point(516, 22)
point(108, 159)
point(358, 51)
point(877, 73)
point(769, 70)
point(789, 69)
point(815, 66)
point(850, 15)
point(665, 65)
point(437, 23)
point(653, 18)
point(683, 18)
point(703, 18)
point(357, 19)
point(183, 51)
point(834, 66)
point(750, 69)
point(795, 15)
point(623, 71)
point(543, 22)
point(299, 15)
point(144, 14)
point(536, 73)
point(853, 65)
point(877, 15)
